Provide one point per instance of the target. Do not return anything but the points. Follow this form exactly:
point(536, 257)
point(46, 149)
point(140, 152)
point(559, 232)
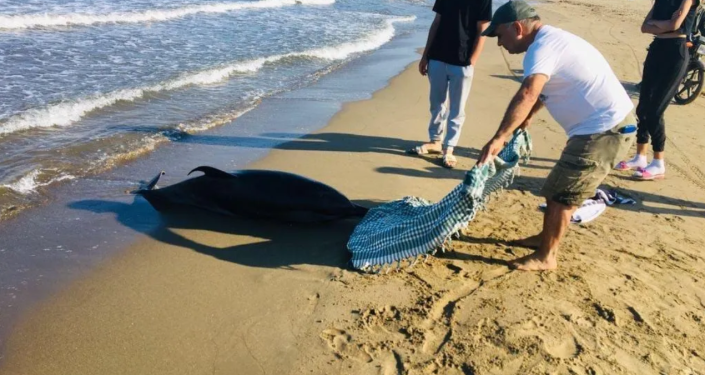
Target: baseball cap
point(509, 12)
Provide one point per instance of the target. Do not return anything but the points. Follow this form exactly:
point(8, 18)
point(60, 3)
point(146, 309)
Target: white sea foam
point(29, 184)
point(65, 114)
point(369, 43)
point(216, 120)
point(27, 21)
point(145, 145)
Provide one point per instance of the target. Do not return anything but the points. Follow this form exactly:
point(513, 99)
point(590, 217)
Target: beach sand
point(205, 294)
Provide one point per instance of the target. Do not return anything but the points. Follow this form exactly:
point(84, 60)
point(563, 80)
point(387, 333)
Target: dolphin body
point(262, 194)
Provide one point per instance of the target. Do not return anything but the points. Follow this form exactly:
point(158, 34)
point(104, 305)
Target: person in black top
point(453, 47)
point(670, 21)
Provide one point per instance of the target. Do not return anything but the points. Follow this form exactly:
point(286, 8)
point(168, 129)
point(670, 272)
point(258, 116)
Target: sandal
point(644, 175)
point(449, 161)
point(421, 150)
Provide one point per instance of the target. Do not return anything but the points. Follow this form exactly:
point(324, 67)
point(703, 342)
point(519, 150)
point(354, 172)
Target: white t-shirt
point(582, 93)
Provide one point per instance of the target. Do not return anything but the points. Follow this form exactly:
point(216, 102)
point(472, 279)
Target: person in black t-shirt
point(453, 47)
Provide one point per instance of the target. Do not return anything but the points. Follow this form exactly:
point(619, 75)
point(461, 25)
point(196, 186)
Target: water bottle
point(627, 129)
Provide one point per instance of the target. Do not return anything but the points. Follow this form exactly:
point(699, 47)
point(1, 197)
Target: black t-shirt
point(664, 9)
point(457, 30)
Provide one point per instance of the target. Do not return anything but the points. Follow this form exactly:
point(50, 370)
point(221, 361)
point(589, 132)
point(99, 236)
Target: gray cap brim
point(490, 31)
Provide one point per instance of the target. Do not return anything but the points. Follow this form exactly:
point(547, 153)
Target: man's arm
point(479, 43)
point(423, 64)
point(537, 107)
point(520, 108)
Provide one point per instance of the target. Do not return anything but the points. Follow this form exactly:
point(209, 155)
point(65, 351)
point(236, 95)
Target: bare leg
point(555, 224)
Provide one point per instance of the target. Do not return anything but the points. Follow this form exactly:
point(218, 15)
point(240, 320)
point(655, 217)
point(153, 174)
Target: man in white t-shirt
point(575, 83)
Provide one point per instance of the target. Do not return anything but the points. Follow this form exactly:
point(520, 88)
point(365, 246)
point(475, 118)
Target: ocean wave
point(215, 120)
point(368, 43)
point(27, 21)
point(147, 144)
point(65, 114)
point(28, 183)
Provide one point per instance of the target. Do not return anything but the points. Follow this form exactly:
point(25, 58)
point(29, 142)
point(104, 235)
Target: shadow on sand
point(287, 245)
point(278, 245)
point(676, 206)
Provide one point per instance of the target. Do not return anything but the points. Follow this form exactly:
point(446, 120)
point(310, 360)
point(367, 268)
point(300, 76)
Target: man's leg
point(438, 80)
point(573, 179)
point(584, 164)
point(555, 223)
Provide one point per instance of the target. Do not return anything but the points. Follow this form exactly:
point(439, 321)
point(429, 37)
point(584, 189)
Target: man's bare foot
point(534, 262)
point(532, 242)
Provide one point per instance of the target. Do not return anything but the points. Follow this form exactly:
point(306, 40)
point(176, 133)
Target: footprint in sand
point(337, 339)
point(557, 343)
point(340, 343)
point(563, 349)
point(312, 303)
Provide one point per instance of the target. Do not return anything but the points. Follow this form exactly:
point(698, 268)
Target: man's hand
point(523, 106)
point(423, 66)
point(491, 149)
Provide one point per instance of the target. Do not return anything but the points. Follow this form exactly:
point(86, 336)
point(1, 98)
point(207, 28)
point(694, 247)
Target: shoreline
point(89, 220)
point(202, 293)
point(68, 130)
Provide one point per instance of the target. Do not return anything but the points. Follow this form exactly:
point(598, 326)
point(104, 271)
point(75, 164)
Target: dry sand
point(212, 295)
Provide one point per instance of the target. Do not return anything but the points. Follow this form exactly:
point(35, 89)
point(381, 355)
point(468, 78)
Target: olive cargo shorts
point(585, 162)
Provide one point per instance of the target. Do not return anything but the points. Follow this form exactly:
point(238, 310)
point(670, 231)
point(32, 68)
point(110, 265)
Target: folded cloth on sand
point(413, 226)
point(593, 207)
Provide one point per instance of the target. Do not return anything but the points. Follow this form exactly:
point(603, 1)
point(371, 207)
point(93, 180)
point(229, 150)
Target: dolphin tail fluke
point(212, 172)
point(152, 184)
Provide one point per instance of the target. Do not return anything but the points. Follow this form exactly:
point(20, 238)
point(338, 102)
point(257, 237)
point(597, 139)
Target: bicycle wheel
point(692, 83)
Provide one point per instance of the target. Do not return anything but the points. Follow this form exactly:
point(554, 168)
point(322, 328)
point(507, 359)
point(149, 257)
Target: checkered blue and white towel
point(407, 228)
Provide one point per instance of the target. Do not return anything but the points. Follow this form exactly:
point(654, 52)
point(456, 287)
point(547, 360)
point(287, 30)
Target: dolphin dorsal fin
point(212, 172)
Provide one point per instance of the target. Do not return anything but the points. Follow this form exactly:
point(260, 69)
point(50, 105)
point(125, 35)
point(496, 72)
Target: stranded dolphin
point(254, 193)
